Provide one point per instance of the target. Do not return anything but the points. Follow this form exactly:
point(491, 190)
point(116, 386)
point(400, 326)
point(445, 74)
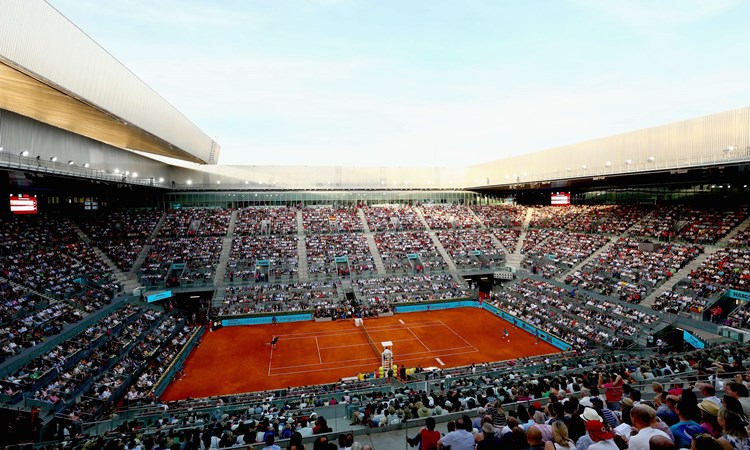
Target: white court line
point(317, 364)
point(316, 344)
point(420, 340)
point(459, 336)
point(401, 321)
point(440, 361)
point(421, 356)
point(270, 359)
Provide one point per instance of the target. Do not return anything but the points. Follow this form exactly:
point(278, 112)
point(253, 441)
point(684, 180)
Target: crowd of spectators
point(599, 320)
point(501, 216)
point(741, 239)
point(326, 219)
point(279, 250)
point(266, 220)
point(394, 249)
point(508, 237)
point(200, 256)
point(630, 271)
point(471, 249)
point(699, 225)
point(395, 289)
point(727, 267)
point(277, 297)
point(444, 217)
point(121, 234)
point(184, 223)
point(555, 251)
point(392, 218)
point(33, 328)
point(323, 249)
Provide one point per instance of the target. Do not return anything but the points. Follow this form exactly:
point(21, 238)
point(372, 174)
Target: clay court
point(240, 359)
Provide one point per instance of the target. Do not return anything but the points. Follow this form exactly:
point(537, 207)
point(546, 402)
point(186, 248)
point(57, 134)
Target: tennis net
point(369, 339)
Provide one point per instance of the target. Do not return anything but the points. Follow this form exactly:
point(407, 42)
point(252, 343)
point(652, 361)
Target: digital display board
point(23, 204)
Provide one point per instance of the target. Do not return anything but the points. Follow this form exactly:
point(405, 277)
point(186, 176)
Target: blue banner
point(411, 255)
point(693, 340)
point(341, 259)
point(158, 296)
point(739, 295)
point(543, 335)
point(263, 262)
point(435, 306)
point(266, 320)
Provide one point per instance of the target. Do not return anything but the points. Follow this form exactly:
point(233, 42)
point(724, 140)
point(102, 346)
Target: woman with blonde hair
point(560, 439)
point(735, 435)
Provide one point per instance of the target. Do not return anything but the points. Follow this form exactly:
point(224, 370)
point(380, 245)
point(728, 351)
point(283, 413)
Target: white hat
point(591, 414)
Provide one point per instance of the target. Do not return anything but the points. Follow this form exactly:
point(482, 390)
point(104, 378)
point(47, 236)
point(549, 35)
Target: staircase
point(158, 226)
point(127, 280)
point(83, 236)
point(226, 250)
point(591, 257)
point(601, 250)
point(421, 218)
point(682, 273)
point(725, 240)
point(363, 219)
point(515, 259)
point(451, 265)
point(302, 267)
point(379, 266)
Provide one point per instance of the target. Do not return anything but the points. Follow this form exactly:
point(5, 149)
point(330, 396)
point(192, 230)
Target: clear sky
point(425, 83)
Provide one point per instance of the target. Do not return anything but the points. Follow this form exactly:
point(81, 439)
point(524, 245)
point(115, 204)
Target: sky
point(428, 82)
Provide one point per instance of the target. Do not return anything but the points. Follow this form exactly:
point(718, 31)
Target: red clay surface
point(238, 359)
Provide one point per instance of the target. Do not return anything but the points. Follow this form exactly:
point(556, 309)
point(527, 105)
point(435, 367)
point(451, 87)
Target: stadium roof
point(54, 73)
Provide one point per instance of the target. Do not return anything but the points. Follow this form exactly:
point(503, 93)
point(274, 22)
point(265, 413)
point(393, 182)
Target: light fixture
point(189, 182)
point(729, 149)
point(628, 161)
point(25, 153)
point(86, 165)
point(584, 167)
point(135, 174)
point(651, 158)
point(218, 181)
point(247, 182)
point(127, 172)
point(161, 179)
point(53, 159)
point(608, 164)
point(116, 171)
point(71, 162)
point(1, 149)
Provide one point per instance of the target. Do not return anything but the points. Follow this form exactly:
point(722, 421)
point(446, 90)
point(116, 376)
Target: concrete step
point(158, 226)
point(591, 257)
point(441, 249)
point(83, 236)
point(421, 218)
point(226, 250)
point(302, 265)
point(232, 223)
point(379, 266)
point(725, 240)
point(140, 259)
point(365, 225)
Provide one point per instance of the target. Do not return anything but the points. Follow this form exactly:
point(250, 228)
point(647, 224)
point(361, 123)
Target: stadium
point(154, 298)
